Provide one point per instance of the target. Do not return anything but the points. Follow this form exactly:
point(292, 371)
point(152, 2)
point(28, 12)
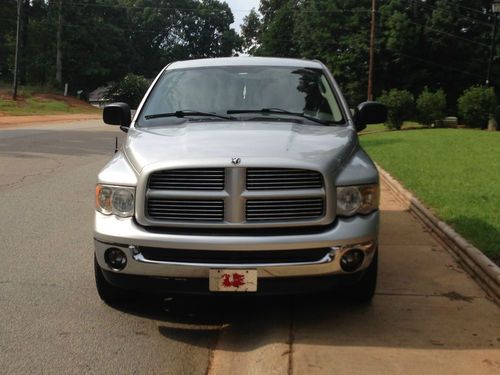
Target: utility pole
point(372, 47)
point(58, 47)
point(495, 9)
point(16, 58)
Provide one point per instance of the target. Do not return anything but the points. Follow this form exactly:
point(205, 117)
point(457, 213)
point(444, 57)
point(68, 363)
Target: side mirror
point(369, 113)
point(117, 114)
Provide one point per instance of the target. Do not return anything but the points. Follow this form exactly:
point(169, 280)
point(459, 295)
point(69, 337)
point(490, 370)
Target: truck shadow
point(424, 301)
point(241, 324)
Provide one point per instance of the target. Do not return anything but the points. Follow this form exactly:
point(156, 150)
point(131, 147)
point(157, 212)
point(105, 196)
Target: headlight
point(116, 200)
point(361, 199)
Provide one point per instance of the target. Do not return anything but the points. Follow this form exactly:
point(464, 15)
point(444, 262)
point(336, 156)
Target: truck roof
point(246, 60)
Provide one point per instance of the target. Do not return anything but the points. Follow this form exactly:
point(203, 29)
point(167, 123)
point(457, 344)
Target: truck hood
point(261, 142)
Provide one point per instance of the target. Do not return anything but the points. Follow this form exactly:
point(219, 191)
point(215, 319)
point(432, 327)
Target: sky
point(240, 9)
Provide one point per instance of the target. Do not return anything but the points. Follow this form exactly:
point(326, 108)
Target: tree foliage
point(476, 105)
point(431, 106)
point(251, 32)
point(400, 107)
point(130, 90)
point(439, 44)
point(103, 40)
point(7, 37)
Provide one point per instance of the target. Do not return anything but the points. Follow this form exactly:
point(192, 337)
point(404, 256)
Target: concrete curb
point(482, 269)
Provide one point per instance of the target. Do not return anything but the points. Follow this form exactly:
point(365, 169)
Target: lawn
point(454, 172)
point(377, 128)
point(31, 102)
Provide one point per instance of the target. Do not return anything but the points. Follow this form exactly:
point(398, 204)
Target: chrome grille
point(284, 209)
point(185, 210)
point(279, 178)
point(233, 197)
point(188, 179)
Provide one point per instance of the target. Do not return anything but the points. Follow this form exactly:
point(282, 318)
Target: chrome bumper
point(110, 231)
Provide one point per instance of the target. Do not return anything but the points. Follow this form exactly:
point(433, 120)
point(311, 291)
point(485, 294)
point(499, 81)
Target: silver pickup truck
point(239, 175)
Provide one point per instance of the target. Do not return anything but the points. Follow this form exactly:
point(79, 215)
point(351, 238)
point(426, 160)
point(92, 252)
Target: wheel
point(109, 293)
point(364, 290)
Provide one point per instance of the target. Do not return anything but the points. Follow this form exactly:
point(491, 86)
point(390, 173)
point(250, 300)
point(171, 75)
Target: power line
point(449, 34)
point(447, 67)
point(451, 12)
point(118, 6)
point(468, 8)
point(140, 30)
point(424, 4)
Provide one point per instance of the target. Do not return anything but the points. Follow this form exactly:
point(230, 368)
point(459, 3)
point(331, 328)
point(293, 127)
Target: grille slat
point(188, 179)
point(276, 178)
point(284, 210)
point(185, 210)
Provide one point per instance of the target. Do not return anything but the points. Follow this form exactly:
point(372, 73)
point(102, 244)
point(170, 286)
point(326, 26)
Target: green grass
point(377, 128)
point(33, 107)
point(31, 102)
point(455, 172)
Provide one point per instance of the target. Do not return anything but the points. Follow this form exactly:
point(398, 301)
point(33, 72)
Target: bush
point(130, 90)
point(476, 105)
point(431, 107)
point(400, 105)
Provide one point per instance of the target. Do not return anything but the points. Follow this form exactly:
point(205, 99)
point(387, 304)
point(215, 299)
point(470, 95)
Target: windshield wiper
point(184, 113)
point(278, 111)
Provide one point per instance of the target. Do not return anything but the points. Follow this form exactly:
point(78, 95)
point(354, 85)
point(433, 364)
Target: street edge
point(479, 266)
point(7, 122)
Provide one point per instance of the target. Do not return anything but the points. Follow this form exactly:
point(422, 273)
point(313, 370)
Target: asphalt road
point(428, 316)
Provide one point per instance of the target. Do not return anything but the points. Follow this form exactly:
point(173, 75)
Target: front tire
point(109, 293)
point(364, 290)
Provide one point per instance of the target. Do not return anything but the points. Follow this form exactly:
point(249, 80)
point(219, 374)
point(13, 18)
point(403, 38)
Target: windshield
point(247, 92)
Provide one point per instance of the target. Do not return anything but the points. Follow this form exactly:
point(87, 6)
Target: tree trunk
point(58, 47)
point(24, 42)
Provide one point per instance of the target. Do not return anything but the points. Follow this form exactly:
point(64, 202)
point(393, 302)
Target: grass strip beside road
point(454, 172)
point(30, 103)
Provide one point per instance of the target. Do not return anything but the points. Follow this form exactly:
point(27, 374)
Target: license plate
point(230, 280)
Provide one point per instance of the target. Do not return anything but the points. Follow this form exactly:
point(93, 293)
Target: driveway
point(428, 316)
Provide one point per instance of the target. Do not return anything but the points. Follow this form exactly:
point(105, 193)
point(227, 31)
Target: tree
point(207, 32)
point(7, 38)
point(440, 44)
point(278, 28)
point(437, 43)
point(130, 90)
point(476, 105)
point(400, 107)
point(431, 107)
point(102, 40)
point(251, 30)
point(338, 35)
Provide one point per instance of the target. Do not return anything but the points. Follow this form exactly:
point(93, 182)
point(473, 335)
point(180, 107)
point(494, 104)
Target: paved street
point(428, 316)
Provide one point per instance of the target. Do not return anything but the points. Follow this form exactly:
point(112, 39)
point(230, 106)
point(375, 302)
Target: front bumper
point(125, 234)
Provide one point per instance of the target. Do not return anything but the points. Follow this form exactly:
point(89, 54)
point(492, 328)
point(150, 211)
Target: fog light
point(352, 260)
point(115, 258)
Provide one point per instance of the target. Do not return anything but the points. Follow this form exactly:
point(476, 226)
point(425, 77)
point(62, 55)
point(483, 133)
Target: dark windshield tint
point(219, 89)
